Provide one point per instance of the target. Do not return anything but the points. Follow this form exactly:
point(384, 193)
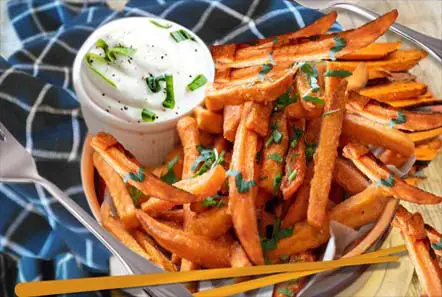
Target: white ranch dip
point(145, 69)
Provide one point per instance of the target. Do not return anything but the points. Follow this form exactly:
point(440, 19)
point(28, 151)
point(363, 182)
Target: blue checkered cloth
point(39, 107)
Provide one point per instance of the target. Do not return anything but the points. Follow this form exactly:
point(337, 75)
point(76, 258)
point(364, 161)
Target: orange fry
point(295, 163)
point(208, 121)
point(212, 223)
point(374, 51)
point(424, 135)
point(242, 203)
point(389, 157)
point(232, 116)
point(197, 248)
point(380, 174)
point(274, 152)
point(394, 91)
point(349, 177)
point(120, 195)
point(404, 120)
point(419, 250)
point(118, 158)
point(189, 135)
point(429, 150)
point(258, 118)
point(371, 133)
point(326, 154)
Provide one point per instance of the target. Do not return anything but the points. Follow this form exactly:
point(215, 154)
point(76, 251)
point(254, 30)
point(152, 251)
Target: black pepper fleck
point(196, 50)
point(103, 94)
point(125, 108)
point(162, 57)
point(107, 110)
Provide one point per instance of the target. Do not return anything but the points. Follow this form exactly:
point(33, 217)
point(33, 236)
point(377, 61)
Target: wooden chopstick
point(130, 281)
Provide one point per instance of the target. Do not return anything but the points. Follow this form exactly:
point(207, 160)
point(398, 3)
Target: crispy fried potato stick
point(239, 257)
point(208, 121)
point(418, 101)
point(117, 229)
point(428, 151)
point(242, 204)
point(123, 163)
point(412, 121)
point(156, 255)
point(232, 117)
point(359, 78)
point(295, 111)
point(197, 248)
point(120, 195)
point(259, 117)
point(326, 154)
point(274, 153)
point(296, 285)
point(188, 131)
point(394, 91)
point(417, 137)
point(354, 212)
point(398, 61)
point(175, 215)
point(392, 158)
point(369, 132)
point(297, 211)
point(311, 50)
point(207, 184)
point(380, 174)
point(295, 162)
point(374, 51)
point(349, 177)
point(212, 223)
point(418, 245)
point(272, 86)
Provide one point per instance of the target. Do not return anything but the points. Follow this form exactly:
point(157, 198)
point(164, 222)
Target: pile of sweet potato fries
point(283, 145)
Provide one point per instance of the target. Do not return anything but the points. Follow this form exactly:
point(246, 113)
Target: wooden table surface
point(421, 15)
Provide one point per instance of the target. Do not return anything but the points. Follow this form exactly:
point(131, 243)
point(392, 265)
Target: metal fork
point(18, 166)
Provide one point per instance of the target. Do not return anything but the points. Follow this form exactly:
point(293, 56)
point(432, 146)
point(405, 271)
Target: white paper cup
point(148, 142)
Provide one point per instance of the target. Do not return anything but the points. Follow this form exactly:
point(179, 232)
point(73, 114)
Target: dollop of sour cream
point(147, 70)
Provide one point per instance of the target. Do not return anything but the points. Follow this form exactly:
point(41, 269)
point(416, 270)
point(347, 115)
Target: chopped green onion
point(199, 81)
point(277, 182)
point(340, 43)
point(295, 137)
point(123, 51)
point(337, 73)
point(147, 115)
point(401, 118)
point(438, 245)
point(170, 176)
point(90, 58)
point(166, 26)
point(284, 100)
point(389, 182)
point(327, 113)
point(181, 35)
point(286, 292)
point(275, 157)
point(135, 194)
point(169, 102)
point(310, 149)
point(139, 176)
point(292, 174)
point(314, 99)
point(153, 83)
point(266, 68)
point(242, 186)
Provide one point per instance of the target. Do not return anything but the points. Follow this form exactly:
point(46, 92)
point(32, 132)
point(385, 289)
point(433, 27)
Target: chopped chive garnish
point(165, 26)
point(169, 102)
point(389, 182)
point(401, 118)
point(135, 194)
point(199, 81)
point(327, 113)
point(296, 135)
point(153, 83)
point(277, 182)
point(438, 245)
point(213, 201)
point(314, 99)
point(266, 68)
point(275, 157)
point(90, 58)
point(275, 135)
point(147, 115)
point(292, 174)
point(242, 186)
point(286, 292)
point(339, 45)
point(181, 35)
point(271, 60)
point(139, 176)
point(284, 100)
point(170, 177)
point(310, 149)
point(123, 51)
point(337, 73)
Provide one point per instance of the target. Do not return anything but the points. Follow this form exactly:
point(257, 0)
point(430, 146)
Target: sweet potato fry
point(177, 152)
point(428, 151)
point(380, 174)
point(349, 177)
point(275, 149)
point(212, 223)
point(201, 186)
point(117, 229)
point(123, 202)
point(126, 165)
point(427, 266)
point(155, 254)
point(222, 75)
point(404, 120)
point(359, 78)
point(175, 215)
point(295, 111)
point(394, 91)
point(208, 121)
point(295, 162)
point(374, 51)
point(369, 132)
point(214, 104)
point(311, 50)
point(417, 137)
point(418, 101)
point(241, 199)
point(296, 285)
point(239, 257)
point(258, 118)
point(232, 116)
point(196, 248)
point(297, 211)
point(354, 212)
point(189, 135)
point(389, 157)
point(326, 154)
point(269, 89)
